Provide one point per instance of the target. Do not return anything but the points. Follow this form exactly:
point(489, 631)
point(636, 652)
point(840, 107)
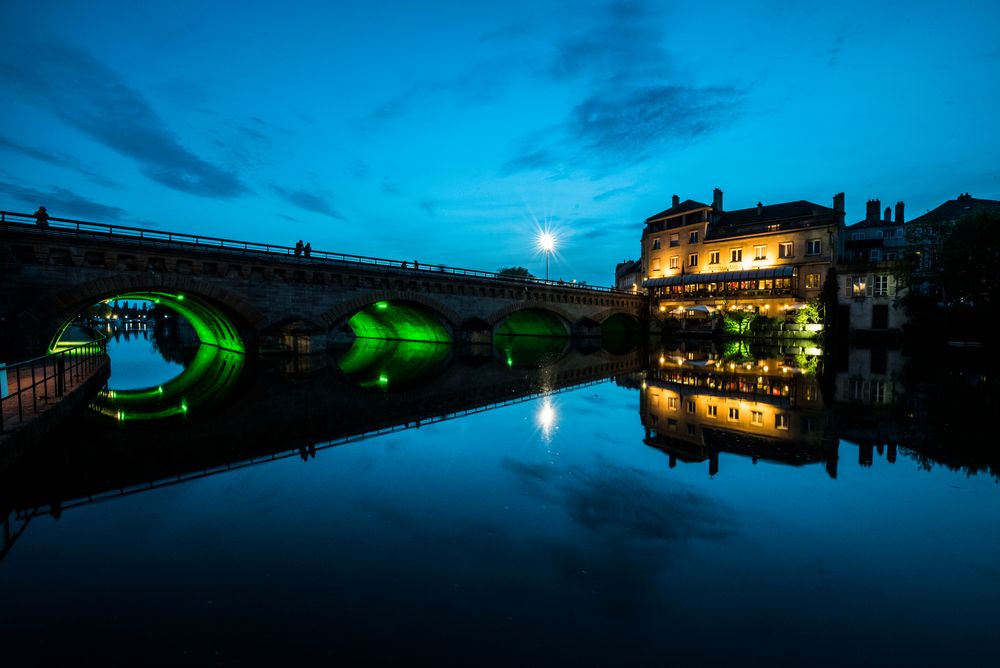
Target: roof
point(774, 213)
point(954, 209)
point(868, 224)
point(683, 207)
point(784, 271)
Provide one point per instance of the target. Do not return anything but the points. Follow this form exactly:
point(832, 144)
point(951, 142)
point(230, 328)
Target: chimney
point(838, 202)
point(888, 215)
point(717, 199)
point(871, 210)
point(676, 200)
point(899, 213)
point(760, 209)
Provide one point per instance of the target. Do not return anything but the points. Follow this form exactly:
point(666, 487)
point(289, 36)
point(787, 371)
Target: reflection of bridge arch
point(531, 318)
point(218, 316)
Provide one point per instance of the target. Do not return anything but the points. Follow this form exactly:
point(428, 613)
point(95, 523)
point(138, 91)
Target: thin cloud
point(635, 105)
point(57, 158)
point(92, 98)
point(60, 202)
point(308, 201)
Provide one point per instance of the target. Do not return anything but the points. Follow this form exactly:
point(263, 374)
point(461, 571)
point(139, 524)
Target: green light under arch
point(401, 321)
point(529, 352)
point(211, 326)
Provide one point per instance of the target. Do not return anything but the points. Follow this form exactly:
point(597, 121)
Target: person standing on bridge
point(307, 249)
point(42, 217)
point(298, 248)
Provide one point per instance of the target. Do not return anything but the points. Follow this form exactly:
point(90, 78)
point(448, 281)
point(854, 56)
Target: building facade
point(768, 258)
point(870, 285)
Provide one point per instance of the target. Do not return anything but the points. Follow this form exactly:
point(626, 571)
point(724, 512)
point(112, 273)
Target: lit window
point(674, 260)
point(693, 260)
point(813, 280)
point(713, 257)
point(736, 255)
point(858, 286)
point(814, 247)
point(760, 252)
point(672, 403)
point(781, 421)
point(656, 264)
point(690, 406)
point(713, 411)
point(693, 238)
point(785, 249)
point(756, 417)
point(656, 244)
point(734, 413)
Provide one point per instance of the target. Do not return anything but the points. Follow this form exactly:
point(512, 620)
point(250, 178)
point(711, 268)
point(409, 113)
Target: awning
point(786, 271)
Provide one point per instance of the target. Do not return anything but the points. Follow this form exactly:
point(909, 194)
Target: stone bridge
point(252, 296)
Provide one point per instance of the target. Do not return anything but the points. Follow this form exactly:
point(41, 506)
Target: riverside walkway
point(36, 391)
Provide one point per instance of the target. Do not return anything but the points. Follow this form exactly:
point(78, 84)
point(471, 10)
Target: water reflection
point(536, 493)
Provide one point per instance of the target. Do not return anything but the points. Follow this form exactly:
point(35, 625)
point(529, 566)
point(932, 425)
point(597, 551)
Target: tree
point(515, 272)
point(967, 258)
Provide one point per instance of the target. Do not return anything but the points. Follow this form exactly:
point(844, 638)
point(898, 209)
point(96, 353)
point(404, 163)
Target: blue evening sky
point(449, 132)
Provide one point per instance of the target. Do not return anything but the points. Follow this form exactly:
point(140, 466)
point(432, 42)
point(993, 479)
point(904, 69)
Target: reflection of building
point(694, 406)
point(764, 258)
point(874, 253)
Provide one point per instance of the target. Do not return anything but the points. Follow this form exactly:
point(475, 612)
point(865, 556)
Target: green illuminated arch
point(532, 322)
point(401, 321)
point(211, 376)
point(391, 364)
point(620, 323)
point(210, 324)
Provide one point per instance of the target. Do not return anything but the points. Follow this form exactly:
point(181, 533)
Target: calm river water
point(530, 502)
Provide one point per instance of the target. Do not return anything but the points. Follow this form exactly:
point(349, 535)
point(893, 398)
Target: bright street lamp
point(547, 243)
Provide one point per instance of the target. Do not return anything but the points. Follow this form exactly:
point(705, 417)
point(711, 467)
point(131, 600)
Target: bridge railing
point(157, 238)
point(28, 387)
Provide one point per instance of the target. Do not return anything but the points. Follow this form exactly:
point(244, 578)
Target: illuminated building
point(765, 258)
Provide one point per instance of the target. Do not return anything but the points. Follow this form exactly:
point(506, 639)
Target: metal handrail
point(54, 372)
point(9, 219)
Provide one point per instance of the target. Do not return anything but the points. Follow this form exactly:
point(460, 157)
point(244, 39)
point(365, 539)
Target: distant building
point(628, 275)
point(869, 275)
point(924, 233)
point(766, 258)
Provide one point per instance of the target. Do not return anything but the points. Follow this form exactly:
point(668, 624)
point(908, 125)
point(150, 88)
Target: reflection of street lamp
point(547, 243)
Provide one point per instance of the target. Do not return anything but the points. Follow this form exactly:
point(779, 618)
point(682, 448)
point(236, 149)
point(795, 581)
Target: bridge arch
point(219, 317)
point(531, 319)
point(403, 316)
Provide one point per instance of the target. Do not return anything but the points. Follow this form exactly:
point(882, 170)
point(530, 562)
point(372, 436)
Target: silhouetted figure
point(42, 217)
point(307, 249)
point(298, 247)
point(416, 265)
